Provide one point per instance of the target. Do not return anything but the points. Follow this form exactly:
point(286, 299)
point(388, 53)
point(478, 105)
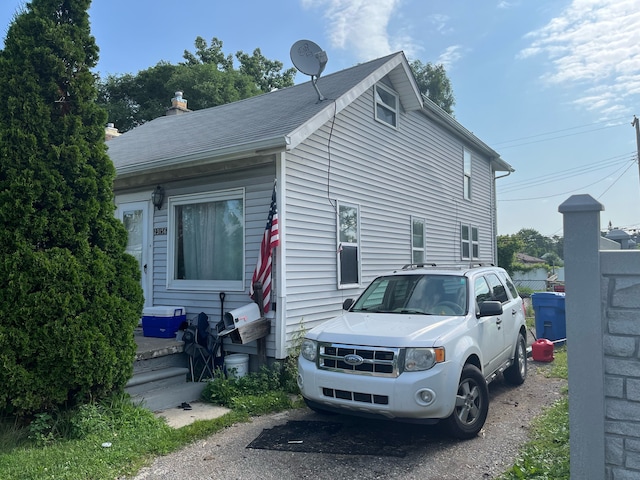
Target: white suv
point(420, 344)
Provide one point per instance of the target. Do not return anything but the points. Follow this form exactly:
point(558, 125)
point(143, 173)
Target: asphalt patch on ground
point(331, 437)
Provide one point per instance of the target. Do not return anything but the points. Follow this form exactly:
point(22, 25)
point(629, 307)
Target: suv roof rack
point(413, 266)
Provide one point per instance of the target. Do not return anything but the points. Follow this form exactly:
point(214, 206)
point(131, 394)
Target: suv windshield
point(422, 294)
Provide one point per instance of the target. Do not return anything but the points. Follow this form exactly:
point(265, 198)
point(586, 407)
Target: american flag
point(270, 240)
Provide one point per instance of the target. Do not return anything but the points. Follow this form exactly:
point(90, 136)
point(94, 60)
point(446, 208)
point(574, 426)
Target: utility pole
point(636, 123)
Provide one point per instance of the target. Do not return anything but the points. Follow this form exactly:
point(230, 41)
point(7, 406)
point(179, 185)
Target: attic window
point(386, 108)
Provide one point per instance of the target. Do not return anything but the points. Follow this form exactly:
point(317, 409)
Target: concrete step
point(155, 379)
point(170, 397)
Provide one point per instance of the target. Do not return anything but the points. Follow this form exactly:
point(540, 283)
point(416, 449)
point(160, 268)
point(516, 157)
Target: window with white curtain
point(206, 241)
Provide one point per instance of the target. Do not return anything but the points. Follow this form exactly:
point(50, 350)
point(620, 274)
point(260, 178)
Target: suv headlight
point(417, 359)
point(309, 350)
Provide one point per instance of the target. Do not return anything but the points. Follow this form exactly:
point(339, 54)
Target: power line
point(567, 173)
point(606, 122)
point(564, 193)
point(616, 180)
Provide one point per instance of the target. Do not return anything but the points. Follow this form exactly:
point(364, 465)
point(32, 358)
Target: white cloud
point(595, 45)
point(451, 55)
point(361, 26)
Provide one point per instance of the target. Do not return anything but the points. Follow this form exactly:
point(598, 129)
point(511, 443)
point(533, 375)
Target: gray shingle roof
point(275, 120)
point(258, 122)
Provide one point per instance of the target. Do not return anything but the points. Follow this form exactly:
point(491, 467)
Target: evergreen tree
point(69, 294)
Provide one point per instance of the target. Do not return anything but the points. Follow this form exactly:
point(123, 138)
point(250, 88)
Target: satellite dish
point(310, 59)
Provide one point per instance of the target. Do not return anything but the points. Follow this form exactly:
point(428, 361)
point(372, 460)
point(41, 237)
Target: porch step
point(170, 397)
point(154, 379)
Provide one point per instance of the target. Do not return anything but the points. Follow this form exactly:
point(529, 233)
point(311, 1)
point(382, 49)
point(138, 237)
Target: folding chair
point(201, 347)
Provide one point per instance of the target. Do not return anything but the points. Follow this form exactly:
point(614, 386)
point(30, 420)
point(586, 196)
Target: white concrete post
point(585, 331)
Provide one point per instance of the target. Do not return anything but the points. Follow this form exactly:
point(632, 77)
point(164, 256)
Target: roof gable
point(280, 119)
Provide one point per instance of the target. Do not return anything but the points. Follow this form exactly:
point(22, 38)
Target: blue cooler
point(162, 322)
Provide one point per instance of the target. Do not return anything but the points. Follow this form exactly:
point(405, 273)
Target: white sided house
point(369, 179)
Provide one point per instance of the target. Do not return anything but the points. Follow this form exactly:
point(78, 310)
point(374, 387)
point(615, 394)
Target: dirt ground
point(403, 451)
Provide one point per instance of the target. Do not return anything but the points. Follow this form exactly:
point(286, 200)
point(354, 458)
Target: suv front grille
point(376, 361)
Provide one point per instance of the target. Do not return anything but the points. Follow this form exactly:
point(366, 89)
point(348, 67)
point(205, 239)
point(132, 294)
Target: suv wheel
point(517, 372)
point(472, 405)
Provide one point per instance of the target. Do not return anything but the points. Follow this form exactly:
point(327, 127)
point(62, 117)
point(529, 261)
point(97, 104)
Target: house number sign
point(160, 231)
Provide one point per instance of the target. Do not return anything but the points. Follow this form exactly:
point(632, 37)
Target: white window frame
point(416, 250)
point(202, 285)
point(341, 245)
point(472, 242)
point(379, 102)
point(466, 181)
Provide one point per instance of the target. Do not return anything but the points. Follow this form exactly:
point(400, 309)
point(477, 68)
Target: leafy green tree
point(265, 72)
point(207, 77)
point(508, 246)
point(434, 83)
point(69, 294)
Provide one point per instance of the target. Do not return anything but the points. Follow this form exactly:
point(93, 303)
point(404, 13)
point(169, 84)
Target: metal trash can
point(549, 309)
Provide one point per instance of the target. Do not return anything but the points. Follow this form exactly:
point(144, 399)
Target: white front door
point(136, 220)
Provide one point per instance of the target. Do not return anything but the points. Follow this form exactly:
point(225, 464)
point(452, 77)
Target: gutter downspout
point(281, 267)
point(495, 215)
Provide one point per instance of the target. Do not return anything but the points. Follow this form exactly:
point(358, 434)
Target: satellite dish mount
point(310, 59)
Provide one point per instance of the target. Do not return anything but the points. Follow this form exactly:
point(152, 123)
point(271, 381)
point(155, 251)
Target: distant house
point(370, 179)
point(528, 259)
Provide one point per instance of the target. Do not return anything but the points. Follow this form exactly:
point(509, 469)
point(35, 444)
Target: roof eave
point(208, 156)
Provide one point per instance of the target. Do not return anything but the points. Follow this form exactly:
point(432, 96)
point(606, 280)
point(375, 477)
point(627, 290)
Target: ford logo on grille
point(353, 359)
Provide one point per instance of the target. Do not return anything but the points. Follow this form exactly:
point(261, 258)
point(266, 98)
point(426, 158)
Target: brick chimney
point(178, 105)
point(110, 132)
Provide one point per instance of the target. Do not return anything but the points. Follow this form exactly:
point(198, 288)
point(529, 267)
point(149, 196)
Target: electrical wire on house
point(333, 121)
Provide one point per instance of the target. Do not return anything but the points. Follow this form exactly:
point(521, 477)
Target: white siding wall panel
point(258, 185)
point(392, 174)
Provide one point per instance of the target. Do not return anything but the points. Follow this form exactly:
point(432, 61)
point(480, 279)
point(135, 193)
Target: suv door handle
point(498, 321)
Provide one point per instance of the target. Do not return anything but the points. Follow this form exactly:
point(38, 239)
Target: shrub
point(69, 294)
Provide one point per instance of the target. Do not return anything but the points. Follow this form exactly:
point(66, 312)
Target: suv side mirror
point(346, 305)
point(490, 308)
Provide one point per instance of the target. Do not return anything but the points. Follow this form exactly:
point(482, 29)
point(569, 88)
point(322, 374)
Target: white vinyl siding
point(392, 175)
point(257, 196)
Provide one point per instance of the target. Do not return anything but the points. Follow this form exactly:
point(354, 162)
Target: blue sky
point(552, 85)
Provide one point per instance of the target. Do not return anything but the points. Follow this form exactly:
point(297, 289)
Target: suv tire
point(472, 405)
point(517, 372)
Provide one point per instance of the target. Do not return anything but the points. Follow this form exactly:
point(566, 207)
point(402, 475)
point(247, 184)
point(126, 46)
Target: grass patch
point(546, 455)
point(110, 439)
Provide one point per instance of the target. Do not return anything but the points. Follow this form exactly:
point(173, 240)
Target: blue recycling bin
point(550, 315)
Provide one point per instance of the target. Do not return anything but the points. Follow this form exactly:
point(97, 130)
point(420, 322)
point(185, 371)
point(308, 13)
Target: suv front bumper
point(423, 395)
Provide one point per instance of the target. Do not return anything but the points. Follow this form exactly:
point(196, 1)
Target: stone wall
point(621, 298)
point(603, 342)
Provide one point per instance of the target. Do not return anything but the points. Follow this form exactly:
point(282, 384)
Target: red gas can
point(542, 350)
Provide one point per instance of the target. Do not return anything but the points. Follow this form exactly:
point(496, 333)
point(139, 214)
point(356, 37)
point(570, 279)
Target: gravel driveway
point(428, 454)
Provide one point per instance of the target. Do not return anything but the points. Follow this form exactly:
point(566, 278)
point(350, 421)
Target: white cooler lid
point(163, 311)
